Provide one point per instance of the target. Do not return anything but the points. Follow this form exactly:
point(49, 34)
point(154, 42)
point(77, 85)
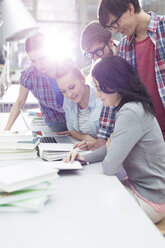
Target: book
point(60, 165)
point(6, 154)
point(32, 205)
point(23, 175)
point(56, 151)
point(20, 197)
point(20, 144)
point(6, 136)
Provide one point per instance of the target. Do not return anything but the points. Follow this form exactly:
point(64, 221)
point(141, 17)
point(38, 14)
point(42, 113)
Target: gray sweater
point(138, 145)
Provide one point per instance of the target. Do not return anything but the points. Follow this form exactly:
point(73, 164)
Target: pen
point(82, 162)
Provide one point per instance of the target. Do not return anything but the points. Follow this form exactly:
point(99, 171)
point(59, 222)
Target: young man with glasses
point(143, 47)
point(97, 42)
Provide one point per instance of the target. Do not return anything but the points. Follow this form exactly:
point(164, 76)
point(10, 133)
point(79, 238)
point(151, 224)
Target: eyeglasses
point(114, 24)
point(98, 52)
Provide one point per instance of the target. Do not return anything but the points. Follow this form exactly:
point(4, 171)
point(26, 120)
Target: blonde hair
point(66, 67)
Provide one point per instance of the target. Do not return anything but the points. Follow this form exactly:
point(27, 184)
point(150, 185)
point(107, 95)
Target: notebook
point(20, 176)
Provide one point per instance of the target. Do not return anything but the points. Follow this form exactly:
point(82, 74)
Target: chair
point(161, 226)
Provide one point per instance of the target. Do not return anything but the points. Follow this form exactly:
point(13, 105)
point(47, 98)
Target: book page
point(64, 166)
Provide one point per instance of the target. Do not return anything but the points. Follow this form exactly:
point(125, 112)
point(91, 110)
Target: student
point(82, 108)
point(96, 43)
point(137, 143)
point(143, 47)
point(39, 79)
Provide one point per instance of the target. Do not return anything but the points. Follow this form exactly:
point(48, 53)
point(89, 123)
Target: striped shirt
point(47, 93)
point(83, 120)
point(156, 32)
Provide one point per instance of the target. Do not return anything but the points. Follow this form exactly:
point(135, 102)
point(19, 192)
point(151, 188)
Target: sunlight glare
point(59, 47)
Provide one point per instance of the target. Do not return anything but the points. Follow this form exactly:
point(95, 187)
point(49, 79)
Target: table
point(90, 210)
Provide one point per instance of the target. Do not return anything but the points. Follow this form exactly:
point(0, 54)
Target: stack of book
point(20, 145)
point(26, 186)
point(56, 151)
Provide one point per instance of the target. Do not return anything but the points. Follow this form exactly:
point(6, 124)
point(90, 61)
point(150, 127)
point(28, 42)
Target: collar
point(92, 99)
point(152, 27)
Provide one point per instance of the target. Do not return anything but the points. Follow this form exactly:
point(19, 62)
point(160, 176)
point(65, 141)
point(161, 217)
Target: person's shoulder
point(28, 70)
point(159, 19)
point(132, 108)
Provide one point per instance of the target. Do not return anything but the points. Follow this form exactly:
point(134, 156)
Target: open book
point(56, 151)
point(60, 165)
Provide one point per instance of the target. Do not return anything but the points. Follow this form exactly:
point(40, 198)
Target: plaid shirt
point(46, 91)
point(106, 122)
point(126, 49)
point(156, 32)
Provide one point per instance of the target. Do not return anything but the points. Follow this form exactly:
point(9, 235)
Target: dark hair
point(114, 73)
point(93, 33)
point(37, 41)
point(115, 7)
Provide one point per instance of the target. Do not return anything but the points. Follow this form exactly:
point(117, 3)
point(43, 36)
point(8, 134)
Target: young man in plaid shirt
point(143, 45)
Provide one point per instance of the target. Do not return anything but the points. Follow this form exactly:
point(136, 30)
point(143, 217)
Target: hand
point(63, 133)
point(72, 156)
point(84, 145)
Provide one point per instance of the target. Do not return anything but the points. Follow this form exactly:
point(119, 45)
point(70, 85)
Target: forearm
point(99, 143)
point(96, 156)
point(79, 136)
point(15, 111)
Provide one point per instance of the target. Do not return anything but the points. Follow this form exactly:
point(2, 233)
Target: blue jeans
point(58, 126)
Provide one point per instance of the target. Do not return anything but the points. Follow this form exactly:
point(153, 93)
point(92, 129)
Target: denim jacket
point(94, 110)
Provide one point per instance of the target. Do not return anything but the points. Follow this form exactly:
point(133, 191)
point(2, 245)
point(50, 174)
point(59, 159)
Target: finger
point(82, 143)
point(68, 157)
point(74, 155)
point(75, 145)
point(63, 133)
point(82, 147)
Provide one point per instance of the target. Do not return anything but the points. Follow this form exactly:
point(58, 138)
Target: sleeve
point(96, 156)
point(26, 78)
point(106, 122)
point(126, 134)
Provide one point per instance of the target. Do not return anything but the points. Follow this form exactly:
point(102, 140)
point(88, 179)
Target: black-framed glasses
point(98, 52)
point(114, 24)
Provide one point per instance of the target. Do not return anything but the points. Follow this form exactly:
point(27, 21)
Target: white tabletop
point(90, 210)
